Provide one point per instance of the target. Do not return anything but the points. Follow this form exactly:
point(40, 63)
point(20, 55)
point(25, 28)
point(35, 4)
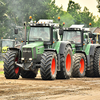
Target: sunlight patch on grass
point(1, 72)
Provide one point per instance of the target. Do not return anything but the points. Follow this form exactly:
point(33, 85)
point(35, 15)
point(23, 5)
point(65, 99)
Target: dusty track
point(38, 89)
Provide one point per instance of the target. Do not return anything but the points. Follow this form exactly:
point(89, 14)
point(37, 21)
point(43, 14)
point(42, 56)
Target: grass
point(1, 72)
point(1, 64)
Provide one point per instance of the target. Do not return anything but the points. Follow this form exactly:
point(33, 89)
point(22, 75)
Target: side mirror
point(16, 31)
point(90, 35)
point(61, 32)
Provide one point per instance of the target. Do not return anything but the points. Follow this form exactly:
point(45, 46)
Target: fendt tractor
point(42, 49)
point(86, 56)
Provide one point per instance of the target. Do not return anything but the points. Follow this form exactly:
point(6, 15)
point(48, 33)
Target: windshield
point(74, 36)
point(39, 33)
point(7, 43)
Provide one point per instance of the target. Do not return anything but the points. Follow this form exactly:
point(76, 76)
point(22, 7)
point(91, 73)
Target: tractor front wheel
point(79, 65)
point(66, 64)
point(48, 68)
point(11, 71)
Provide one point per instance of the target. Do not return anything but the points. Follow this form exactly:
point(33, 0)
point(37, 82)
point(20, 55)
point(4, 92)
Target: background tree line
point(14, 13)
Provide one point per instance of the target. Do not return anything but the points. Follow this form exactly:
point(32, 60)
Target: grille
point(27, 53)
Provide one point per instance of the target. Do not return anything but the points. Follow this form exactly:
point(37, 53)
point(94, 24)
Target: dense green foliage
point(15, 12)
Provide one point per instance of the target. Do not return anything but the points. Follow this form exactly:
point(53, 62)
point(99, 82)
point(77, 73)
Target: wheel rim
point(82, 66)
point(17, 68)
point(68, 62)
point(99, 62)
point(53, 66)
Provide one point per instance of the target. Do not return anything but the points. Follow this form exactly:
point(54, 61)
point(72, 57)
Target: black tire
point(79, 65)
point(90, 72)
point(65, 66)
point(11, 71)
point(48, 68)
point(28, 74)
point(96, 63)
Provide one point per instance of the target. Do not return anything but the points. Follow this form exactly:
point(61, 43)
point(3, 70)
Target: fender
point(91, 53)
point(63, 45)
point(50, 49)
point(19, 53)
point(92, 48)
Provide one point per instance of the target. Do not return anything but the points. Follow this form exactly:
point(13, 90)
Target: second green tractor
point(86, 56)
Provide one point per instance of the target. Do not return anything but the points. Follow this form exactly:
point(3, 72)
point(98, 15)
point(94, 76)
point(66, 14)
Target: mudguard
point(63, 45)
point(50, 49)
point(92, 48)
point(19, 51)
point(91, 53)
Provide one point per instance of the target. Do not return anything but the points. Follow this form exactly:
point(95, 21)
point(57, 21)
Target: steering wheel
point(76, 38)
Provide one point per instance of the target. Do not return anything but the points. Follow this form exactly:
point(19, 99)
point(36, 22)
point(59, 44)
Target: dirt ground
point(38, 89)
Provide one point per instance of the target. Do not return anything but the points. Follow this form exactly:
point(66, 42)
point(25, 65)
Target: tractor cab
point(6, 44)
point(77, 35)
point(45, 31)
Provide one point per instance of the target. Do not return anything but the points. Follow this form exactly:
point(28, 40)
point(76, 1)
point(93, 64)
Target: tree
point(3, 18)
point(68, 19)
point(98, 6)
point(74, 10)
point(87, 17)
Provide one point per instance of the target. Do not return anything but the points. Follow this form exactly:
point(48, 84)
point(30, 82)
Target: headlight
point(30, 58)
point(22, 58)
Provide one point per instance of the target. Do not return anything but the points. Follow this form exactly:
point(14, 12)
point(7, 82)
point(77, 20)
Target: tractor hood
point(32, 50)
point(32, 45)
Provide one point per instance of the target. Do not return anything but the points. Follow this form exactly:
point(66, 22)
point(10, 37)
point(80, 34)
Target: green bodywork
point(40, 47)
point(73, 48)
point(57, 46)
point(87, 49)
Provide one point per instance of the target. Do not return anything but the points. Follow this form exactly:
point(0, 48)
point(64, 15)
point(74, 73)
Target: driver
point(43, 34)
point(77, 37)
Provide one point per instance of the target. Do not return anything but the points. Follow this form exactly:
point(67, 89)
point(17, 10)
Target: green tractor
point(42, 49)
point(86, 56)
point(5, 44)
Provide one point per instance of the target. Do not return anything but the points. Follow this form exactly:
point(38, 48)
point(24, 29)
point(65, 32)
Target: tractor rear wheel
point(79, 65)
point(28, 74)
point(66, 64)
point(48, 68)
point(11, 71)
point(96, 63)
